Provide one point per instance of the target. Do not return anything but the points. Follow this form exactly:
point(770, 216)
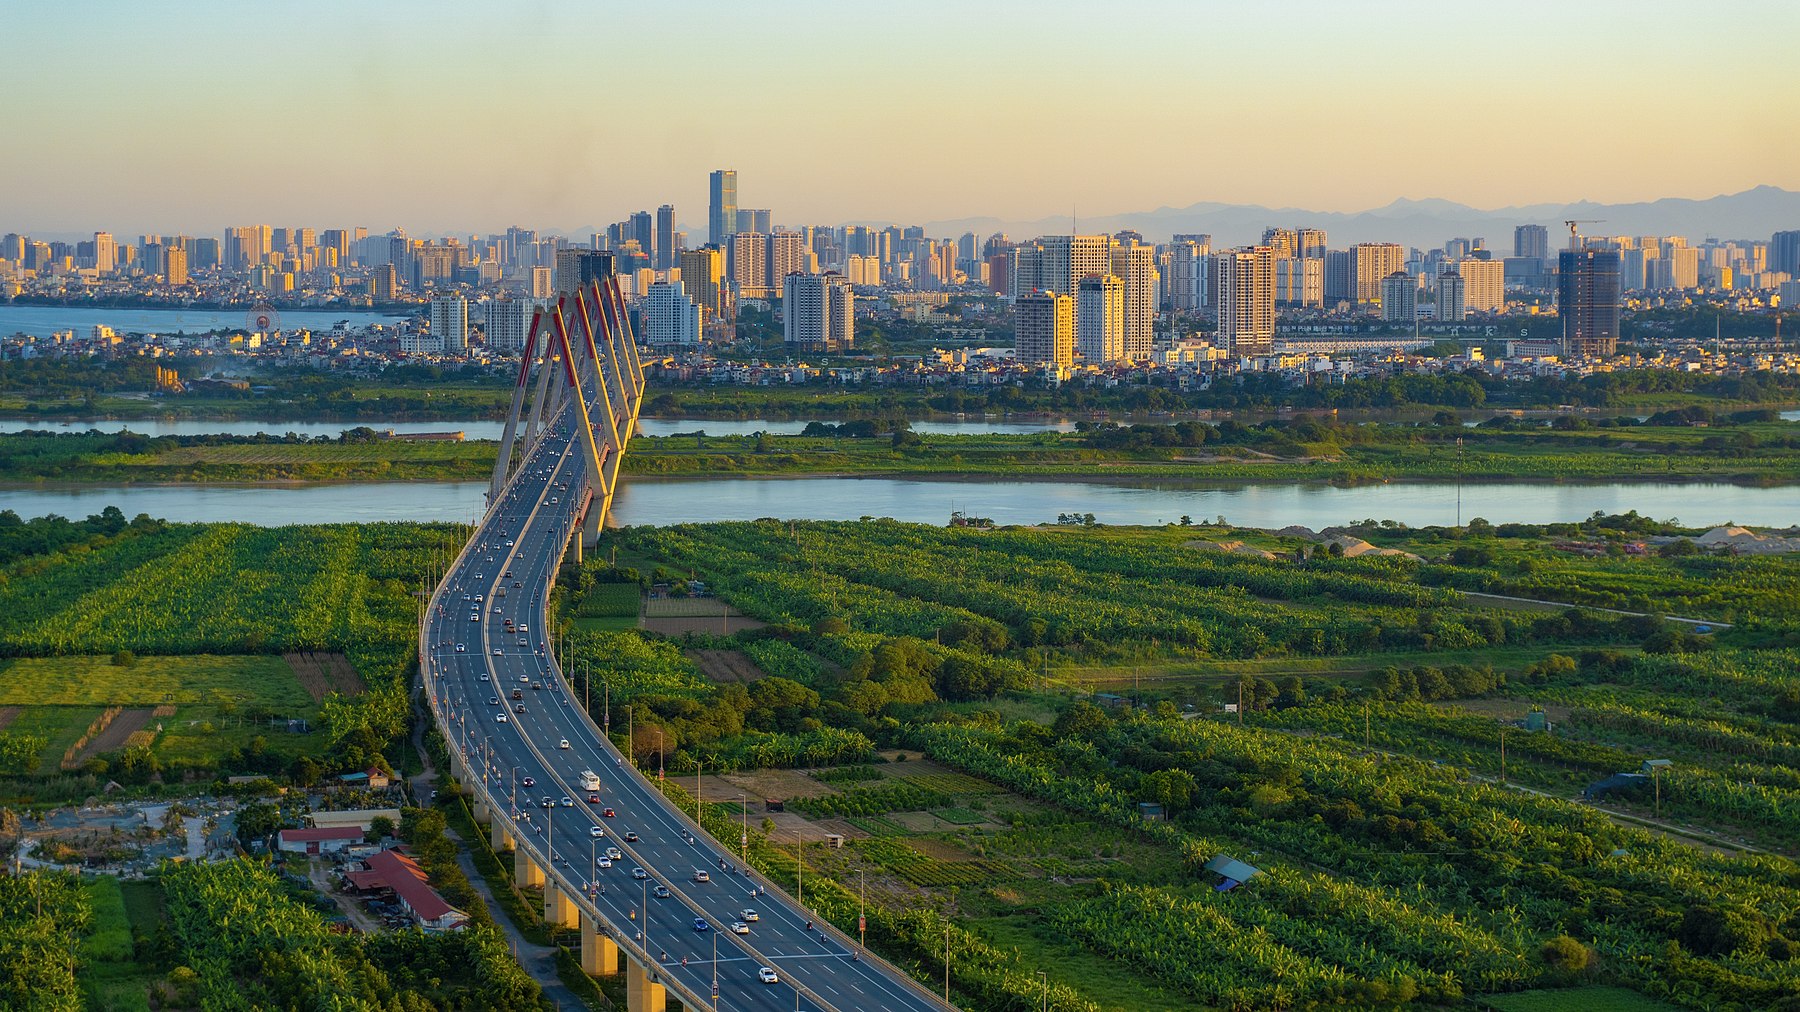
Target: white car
point(603, 862)
point(596, 832)
point(749, 915)
point(484, 676)
point(740, 928)
point(613, 852)
point(563, 744)
point(639, 873)
point(461, 649)
point(500, 717)
point(766, 974)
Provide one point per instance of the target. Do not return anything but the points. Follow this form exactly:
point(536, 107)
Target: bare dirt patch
point(322, 674)
point(778, 784)
point(726, 665)
point(925, 822)
point(790, 827)
point(8, 714)
point(116, 734)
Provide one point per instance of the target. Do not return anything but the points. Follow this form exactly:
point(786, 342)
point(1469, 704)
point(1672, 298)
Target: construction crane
point(1574, 236)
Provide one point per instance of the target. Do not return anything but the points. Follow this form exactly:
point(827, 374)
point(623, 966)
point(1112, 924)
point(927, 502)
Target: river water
point(670, 501)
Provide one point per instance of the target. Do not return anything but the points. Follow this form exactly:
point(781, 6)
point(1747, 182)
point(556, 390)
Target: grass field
point(59, 697)
point(110, 976)
point(151, 681)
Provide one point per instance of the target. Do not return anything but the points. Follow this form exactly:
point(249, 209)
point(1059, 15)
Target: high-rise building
point(749, 265)
point(1310, 243)
point(1190, 260)
point(1244, 291)
point(703, 274)
point(575, 267)
point(383, 282)
point(755, 219)
point(643, 229)
point(1484, 284)
point(1399, 298)
point(1370, 264)
point(1684, 267)
point(1300, 281)
point(175, 265)
point(1134, 263)
point(153, 257)
point(721, 209)
point(507, 323)
point(105, 252)
point(1588, 302)
point(1100, 319)
point(1339, 277)
point(1055, 263)
point(666, 251)
point(1531, 241)
point(1784, 253)
point(450, 321)
point(1044, 329)
point(818, 313)
point(1284, 241)
point(669, 316)
point(787, 255)
point(1451, 304)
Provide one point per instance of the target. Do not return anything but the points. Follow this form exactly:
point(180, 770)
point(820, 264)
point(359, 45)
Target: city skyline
point(341, 129)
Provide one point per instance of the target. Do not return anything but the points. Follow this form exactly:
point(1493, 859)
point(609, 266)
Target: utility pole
point(1459, 474)
point(1656, 782)
point(1503, 756)
point(1240, 714)
point(946, 964)
point(1365, 723)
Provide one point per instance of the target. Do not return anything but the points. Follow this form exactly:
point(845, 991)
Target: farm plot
point(725, 665)
point(117, 733)
point(322, 674)
point(675, 616)
point(152, 681)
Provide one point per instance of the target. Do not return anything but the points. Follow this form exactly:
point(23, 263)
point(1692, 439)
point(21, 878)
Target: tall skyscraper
point(1100, 319)
point(105, 252)
point(703, 274)
point(575, 267)
point(1451, 307)
point(749, 265)
point(1370, 263)
point(755, 219)
point(450, 321)
point(1055, 263)
point(1190, 265)
point(1134, 263)
point(1484, 284)
point(721, 211)
point(1588, 302)
point(1244, 292)
point(1300, 281)
point(1284, 241)
point(508, 321)
point(1399, 299)
point(1784, 253)
point(1310, 243)
point(669, 316)
point(787, 255)
point(175, 265)
point(1531, 241)
point(818, 313)
point(643, 229)
point(666, 250)
point(1044, 329)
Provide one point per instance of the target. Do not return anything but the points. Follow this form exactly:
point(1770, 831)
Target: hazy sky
point(189, 115)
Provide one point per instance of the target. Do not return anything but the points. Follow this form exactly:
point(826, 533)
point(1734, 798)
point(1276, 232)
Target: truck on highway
point(590, 781)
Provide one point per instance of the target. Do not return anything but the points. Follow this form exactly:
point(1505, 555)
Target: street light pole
point(1046, 979)
point(744, 834)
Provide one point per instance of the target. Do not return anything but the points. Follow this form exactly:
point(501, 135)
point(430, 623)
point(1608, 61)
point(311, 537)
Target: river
point(670, 501)
point(43, 321)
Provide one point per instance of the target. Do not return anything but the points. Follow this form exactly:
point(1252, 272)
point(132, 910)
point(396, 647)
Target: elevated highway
point(547, 781)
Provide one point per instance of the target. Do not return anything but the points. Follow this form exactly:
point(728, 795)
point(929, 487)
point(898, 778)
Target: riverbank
point(1758, 453)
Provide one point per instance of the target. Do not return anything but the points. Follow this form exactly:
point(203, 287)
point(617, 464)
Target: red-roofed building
point(393, 871)
point(327, 840)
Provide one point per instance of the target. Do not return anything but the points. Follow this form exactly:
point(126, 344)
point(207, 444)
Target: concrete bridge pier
point(641, 993)
point(526, 871)
point(599, 953)
point(559, 908)
point(499, 838)
point(483, 813)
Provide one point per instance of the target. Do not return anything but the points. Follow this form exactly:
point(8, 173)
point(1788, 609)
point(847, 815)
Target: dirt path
point(1533, 604)
point(8, 714)
point(123, 726)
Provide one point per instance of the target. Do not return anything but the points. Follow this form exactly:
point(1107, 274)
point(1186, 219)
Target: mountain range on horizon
point(1755, 213)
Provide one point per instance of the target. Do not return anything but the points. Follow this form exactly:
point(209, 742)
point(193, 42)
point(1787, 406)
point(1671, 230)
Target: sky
point(444, 117)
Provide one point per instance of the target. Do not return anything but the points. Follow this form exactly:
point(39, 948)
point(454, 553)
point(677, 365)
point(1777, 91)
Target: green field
point(111, 978)
point(1579, 999)
point(151, 681)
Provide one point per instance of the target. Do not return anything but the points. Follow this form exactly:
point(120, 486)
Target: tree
point(1081, 720)
point(1567, 955)
point(1174, 789)
point(258, 820)
point(380, 828)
